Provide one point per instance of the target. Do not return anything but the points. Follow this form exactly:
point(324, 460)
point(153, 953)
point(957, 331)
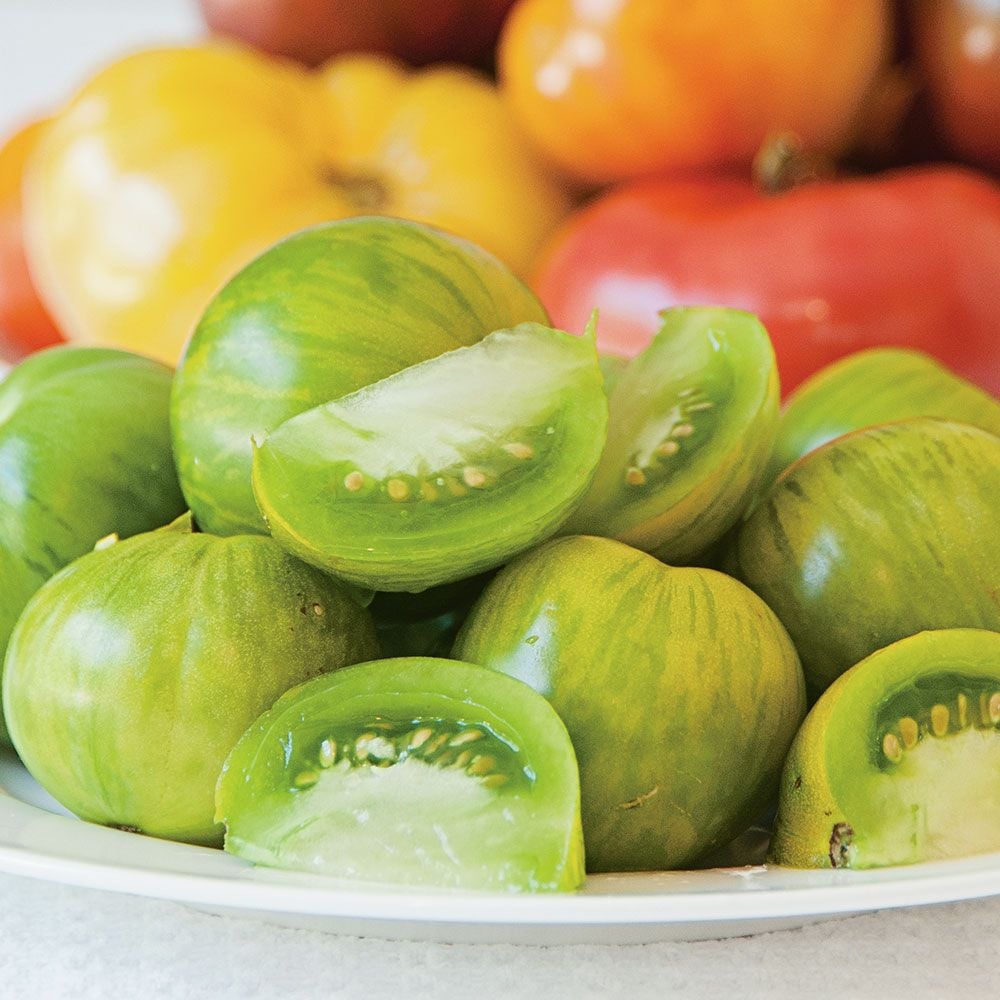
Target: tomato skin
point(25, 324)
point(910, 258)
point(313, 30)
point(611, 90)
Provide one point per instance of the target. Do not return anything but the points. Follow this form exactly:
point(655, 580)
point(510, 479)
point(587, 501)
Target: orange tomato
point(173, 168)
point(612, 89)
point(25, 325)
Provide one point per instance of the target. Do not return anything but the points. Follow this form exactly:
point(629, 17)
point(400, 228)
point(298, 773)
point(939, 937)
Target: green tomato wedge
point(84, 453)
point(321, 314)
point(875, 536)
point(132, 672)
point(899, 761)
point(415, 770)
point(692, 422)
point(444, 470)
point(679, 687)
point(876, 387)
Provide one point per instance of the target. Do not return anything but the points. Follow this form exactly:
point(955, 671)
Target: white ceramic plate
point(39, 839)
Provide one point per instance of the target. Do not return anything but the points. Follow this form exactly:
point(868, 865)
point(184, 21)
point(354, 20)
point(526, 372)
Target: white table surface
point(58, 941)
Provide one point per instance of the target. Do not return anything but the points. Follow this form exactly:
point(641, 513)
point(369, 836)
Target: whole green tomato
point(133, 672)
point(680, 689)
point(320, 315)
point(876, 536)
point(84, 453)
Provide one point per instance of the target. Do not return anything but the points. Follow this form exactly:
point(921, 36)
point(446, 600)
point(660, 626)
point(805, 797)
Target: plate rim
point(39, 843)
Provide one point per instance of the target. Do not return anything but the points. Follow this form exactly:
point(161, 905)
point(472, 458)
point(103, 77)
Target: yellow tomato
point(174, 167)
point(611, 89)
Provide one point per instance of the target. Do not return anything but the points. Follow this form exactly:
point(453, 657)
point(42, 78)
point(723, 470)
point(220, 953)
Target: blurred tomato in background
point(313, 30)
point(649, 113)
point(25, 324)
point(910, 257)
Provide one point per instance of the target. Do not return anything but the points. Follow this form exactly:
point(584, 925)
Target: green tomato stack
point(429, 458)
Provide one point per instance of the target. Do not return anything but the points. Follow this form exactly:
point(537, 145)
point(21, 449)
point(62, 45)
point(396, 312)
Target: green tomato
point(875, 387)
point(680, 690)
point(875, 536)
point(84, 453)
point(898, 761)
point(692, 421)
point(413, 770)
point(319, 315)
point(133, 671)
point(443, 470)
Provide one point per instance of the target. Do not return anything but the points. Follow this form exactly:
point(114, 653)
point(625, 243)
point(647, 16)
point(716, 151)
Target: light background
point(57, 941)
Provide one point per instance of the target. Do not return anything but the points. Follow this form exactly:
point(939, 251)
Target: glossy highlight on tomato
point(415, 770)
point(445, 469)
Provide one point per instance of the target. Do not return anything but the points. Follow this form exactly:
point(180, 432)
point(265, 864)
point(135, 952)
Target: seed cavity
point(420, 737)
point(428, 491)
point(463, 758)
point(891, 747)
point(962, 705)
point(994, 708)
point(910, 732)
point(455, 488)
point(940, 718)
point(306, 779)
point(354, 481)
point(473, 477)
point(481, 765)
point(466, 736)
point(519, 450)
point(667, 449)
point(495, 780)
point(398, 490)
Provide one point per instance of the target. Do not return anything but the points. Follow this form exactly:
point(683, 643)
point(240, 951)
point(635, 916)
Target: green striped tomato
point(680, 689)
point(898, 760)
point(875, 387)
point(319, 315)
point(132, 673)
point(84, 452)
point(875, 536)
point(692, 421)
point(415, 770)
point(446, 469)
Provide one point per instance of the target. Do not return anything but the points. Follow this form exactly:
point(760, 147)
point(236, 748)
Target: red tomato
point(24, 322)
point(907, 258)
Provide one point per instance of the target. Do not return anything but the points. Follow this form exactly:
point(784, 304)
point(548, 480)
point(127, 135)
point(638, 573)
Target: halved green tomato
point(412, 770)
point(899, 761)
point(876, 387)
point(692, 421)
point(443, 470)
